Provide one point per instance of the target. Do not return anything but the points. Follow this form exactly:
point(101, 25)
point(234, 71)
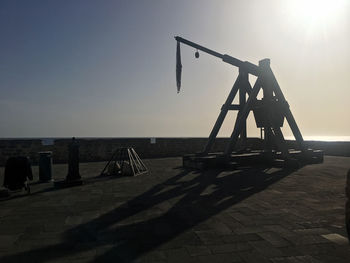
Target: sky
point(107, 68)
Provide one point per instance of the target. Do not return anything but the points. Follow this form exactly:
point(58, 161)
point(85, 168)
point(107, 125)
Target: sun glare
point(315, 13)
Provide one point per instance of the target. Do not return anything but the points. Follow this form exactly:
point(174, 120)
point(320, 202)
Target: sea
point(324, 138)
point(306, 138)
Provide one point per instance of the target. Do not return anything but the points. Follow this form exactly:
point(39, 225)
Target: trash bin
point(45, 166)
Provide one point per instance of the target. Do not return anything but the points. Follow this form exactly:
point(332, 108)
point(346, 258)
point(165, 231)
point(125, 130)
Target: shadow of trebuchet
point(189, 207)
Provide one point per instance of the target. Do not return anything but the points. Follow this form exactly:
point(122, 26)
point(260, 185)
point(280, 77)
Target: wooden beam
point(245, 65)
point(242, 102)
point(231, 107)
point(267, 100)
point(248, 88)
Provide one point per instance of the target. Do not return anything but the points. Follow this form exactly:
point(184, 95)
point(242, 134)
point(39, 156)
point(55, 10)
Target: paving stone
point(104, 248)
point(188, 238)
point(198, 250)
point(227, 248)
point(336, 238)
point(274, 239)
point(230, 222)
point(291, 251)
point(283, 231)
point(11, 228)
point(266, 249)
point(243, 219)
point(307, 240)
point(84, 254)
point(253, 257)
point(73, 220)
point(331, 258)
point(209, 237)
point(6, 241)
point(307, 259)
point(316, 249)
point(178, 255)
point(240, 238)
point(222, 258)
point(247, 211)
point(249, 230)
point(221, 228)
point(154, 256)
point(312, 231)
point(296, 259)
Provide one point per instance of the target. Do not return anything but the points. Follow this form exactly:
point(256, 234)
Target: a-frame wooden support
point(272, 99)
point(269, 113)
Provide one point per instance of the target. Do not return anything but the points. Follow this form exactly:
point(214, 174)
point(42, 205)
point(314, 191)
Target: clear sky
point(107, 68)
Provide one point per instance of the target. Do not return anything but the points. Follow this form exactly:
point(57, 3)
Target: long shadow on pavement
point(190, 202)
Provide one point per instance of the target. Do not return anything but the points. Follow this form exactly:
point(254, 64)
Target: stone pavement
point(175, 215)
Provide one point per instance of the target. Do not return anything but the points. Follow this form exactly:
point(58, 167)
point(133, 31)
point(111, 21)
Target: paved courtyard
point(177, 215)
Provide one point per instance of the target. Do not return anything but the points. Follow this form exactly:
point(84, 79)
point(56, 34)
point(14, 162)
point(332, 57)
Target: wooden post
point(222, 115)
point(267, 99)
point(242, 102)
point(242, 116)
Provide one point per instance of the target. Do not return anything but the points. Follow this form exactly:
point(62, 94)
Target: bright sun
point(315, 13)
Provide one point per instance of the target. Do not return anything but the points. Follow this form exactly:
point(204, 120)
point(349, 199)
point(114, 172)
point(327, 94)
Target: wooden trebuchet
point(269, 113)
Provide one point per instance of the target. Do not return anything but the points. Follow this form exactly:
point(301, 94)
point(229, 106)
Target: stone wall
point(100, 149)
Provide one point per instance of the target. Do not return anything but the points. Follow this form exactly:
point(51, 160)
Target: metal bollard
point(45, 166)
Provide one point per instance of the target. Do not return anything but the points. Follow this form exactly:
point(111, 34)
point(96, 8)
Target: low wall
point(100, 149)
